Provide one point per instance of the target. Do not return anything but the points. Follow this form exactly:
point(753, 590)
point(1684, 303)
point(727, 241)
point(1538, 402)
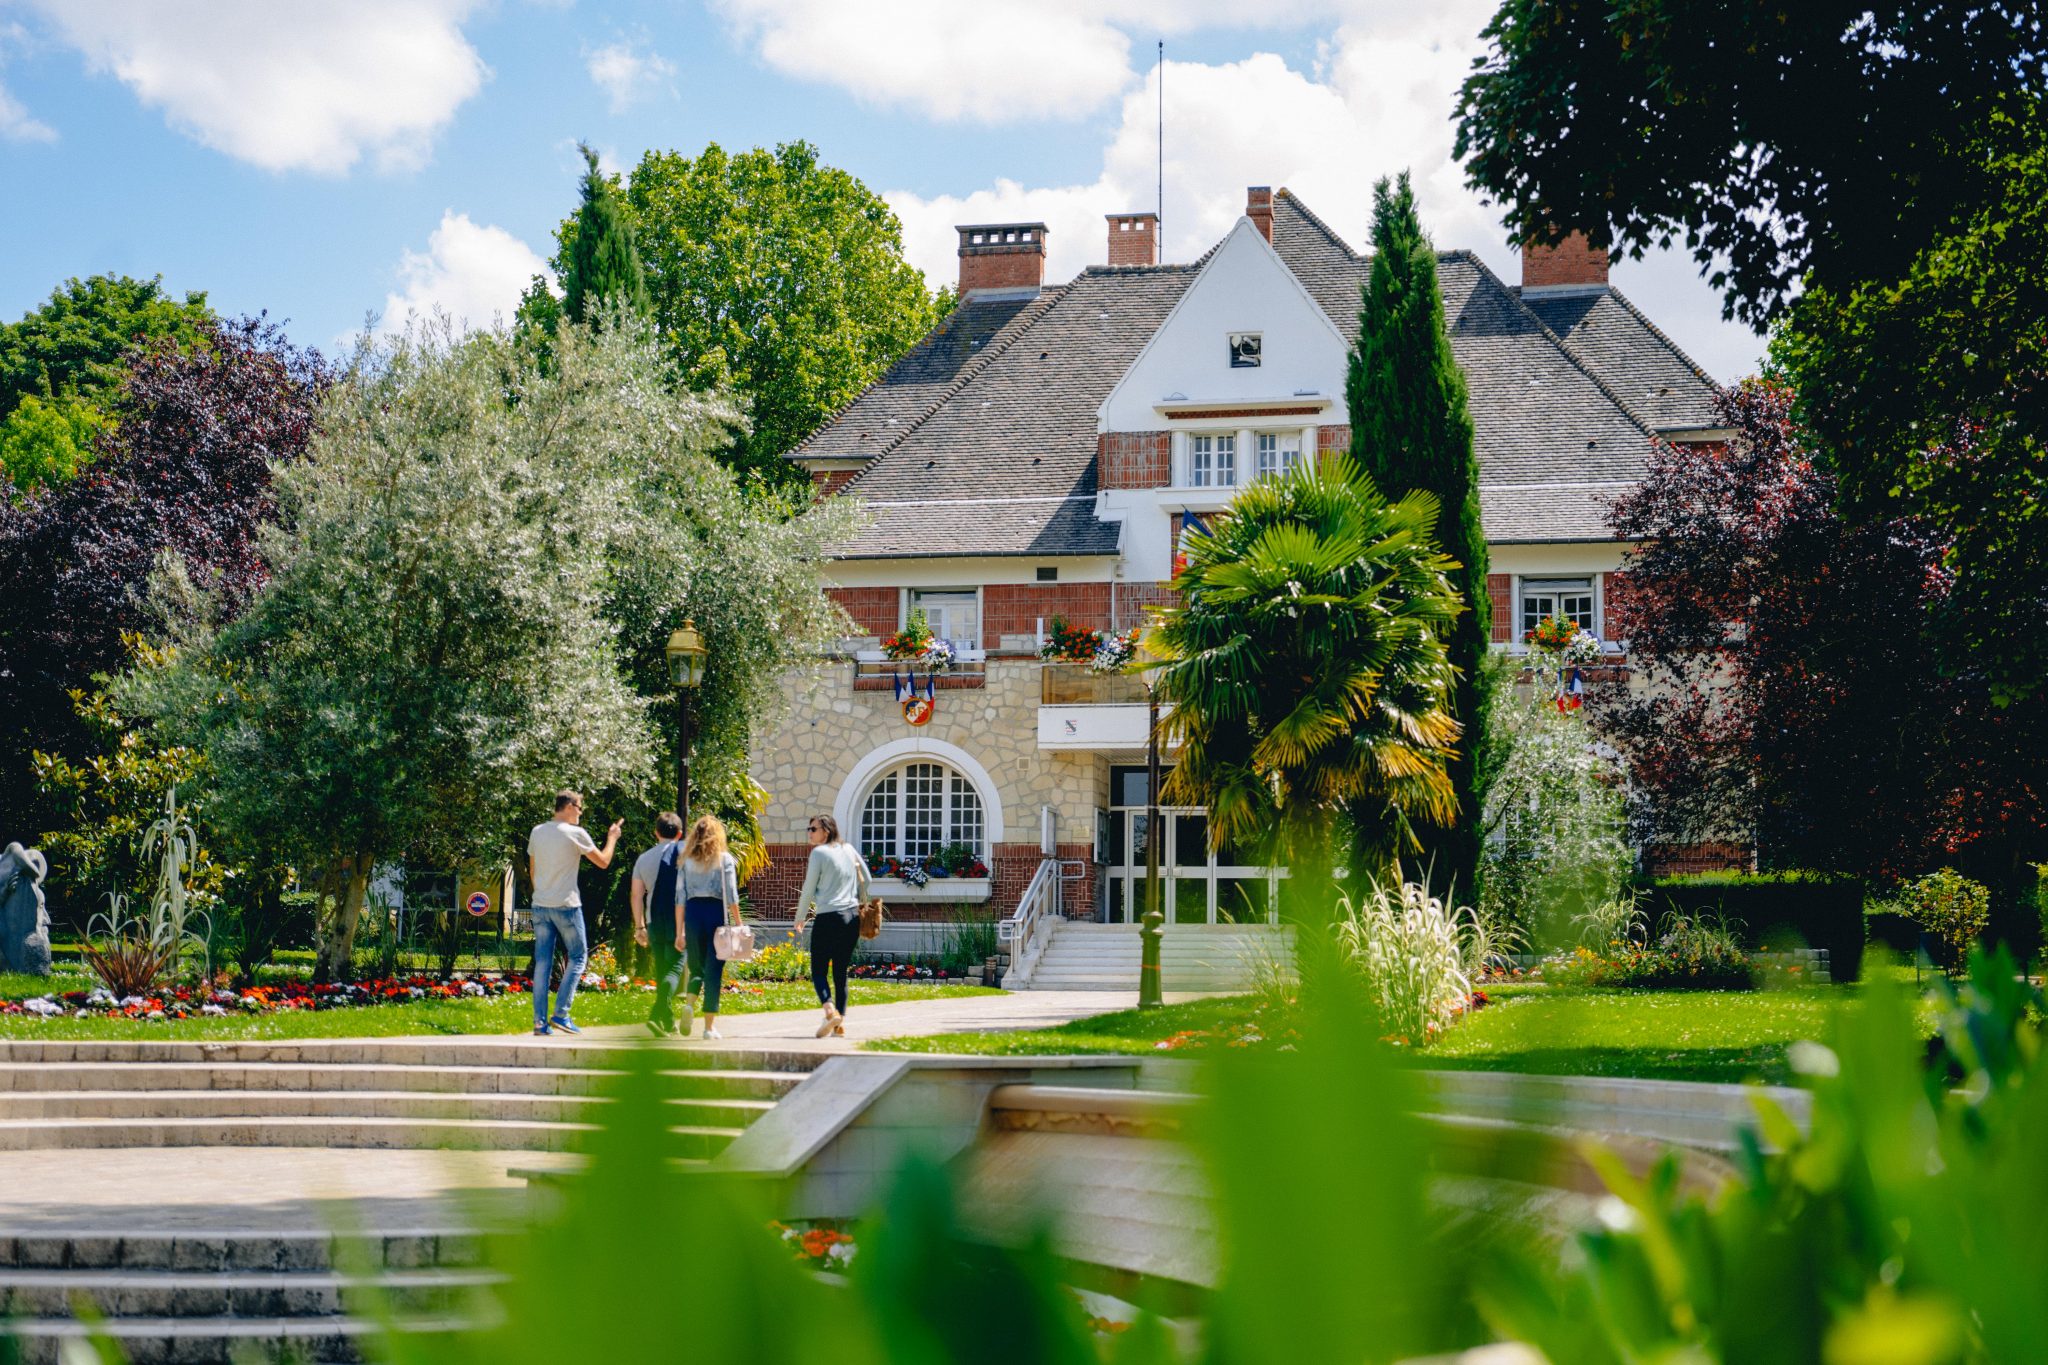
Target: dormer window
point(1212, 461)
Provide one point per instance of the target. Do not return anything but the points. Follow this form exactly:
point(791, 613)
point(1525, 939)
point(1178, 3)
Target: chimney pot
point(1258, 206)
point(1573, 265)
point(1001, 258)
point(1133, 239)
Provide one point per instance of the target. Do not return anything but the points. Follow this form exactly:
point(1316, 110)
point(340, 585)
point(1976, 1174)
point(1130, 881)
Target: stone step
point(240, 1249)
point(383, 1104)
point(481, 1051)
point(305, 1131)
point(236, 1294)
point(207, 1341)
point(474, 1080)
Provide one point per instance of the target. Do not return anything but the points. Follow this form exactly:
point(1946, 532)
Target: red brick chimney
point(1134, 239)
point(1573, 263)
point(1258, 206)
point(1002, 258)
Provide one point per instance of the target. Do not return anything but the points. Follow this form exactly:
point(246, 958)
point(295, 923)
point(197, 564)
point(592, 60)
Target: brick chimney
point(1002, 259)
point(1574, 265)
point(1258, 206)
point(1134, 239)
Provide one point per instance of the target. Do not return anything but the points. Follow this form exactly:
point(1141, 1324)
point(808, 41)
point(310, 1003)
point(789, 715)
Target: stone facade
point(806, 759)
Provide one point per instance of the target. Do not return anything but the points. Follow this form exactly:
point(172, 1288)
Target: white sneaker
point(713, 1033)
point(831, 1021)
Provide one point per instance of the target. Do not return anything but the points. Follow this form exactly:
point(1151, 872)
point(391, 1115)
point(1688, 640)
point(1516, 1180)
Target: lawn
point(1670, 1035)
point(504, 1014)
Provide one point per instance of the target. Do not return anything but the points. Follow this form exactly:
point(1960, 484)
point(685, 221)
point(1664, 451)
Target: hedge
point(1776, 910)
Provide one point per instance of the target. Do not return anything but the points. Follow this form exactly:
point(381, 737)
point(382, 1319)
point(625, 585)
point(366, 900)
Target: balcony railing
point(1080, 685)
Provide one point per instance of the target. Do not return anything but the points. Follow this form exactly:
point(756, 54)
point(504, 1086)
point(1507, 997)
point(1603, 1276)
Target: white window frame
point(911, 602)
point(1554, 587)
point(1284, 455)
point(1212, 459)
point(954, 784)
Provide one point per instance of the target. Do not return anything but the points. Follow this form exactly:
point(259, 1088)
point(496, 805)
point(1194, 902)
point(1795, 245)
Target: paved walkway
point(796, 1030)
point(223, 1188)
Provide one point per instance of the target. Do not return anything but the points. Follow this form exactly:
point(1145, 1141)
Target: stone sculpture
point(24, 919)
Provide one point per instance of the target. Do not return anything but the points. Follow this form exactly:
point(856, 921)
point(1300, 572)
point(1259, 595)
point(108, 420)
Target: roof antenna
point(1161, 207)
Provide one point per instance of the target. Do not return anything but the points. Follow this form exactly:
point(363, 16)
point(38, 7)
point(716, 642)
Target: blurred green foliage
point(1905, 1230)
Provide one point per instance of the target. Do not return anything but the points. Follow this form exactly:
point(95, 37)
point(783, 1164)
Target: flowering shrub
point(186, 1002)
point(777, 962)
point(1687, 953)
point(820, 1247)
point(1949, 906)
point(1068, 643)
point(1116, 653)
point(900, 971)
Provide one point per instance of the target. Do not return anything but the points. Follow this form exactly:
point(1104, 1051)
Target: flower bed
point(1655, 966)
point(187, 1002)
point(901, 971)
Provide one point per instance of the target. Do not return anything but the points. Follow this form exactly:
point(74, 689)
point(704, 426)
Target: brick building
point(1035, 456)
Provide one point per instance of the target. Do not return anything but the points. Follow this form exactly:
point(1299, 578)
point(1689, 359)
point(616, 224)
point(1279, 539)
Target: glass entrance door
point(1199, 886)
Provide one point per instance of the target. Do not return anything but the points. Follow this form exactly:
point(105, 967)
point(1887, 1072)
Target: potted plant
point(916, 643)
point(1068, 643)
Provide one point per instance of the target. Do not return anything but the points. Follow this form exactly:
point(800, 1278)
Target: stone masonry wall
point(804, 759)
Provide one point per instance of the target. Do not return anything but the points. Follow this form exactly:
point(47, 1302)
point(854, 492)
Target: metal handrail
point(1043, 889)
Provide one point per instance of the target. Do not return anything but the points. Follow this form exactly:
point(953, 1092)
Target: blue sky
point(324, 161)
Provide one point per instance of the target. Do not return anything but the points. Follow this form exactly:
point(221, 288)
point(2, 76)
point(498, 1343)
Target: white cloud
point(475, 274)
point(312, 87)
point(18, 125)
point(1379, 102)
point(628, 71)
point(993, 61)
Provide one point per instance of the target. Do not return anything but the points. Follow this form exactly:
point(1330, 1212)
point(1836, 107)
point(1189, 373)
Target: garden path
point(796, 1030)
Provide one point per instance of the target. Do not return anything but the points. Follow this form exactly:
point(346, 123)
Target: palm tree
point(1305, 665)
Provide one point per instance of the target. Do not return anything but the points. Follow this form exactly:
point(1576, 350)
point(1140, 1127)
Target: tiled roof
point(1638, 362)
point(1005, 465)
point(887, 407)
point(1541, 416)
point(982, 440)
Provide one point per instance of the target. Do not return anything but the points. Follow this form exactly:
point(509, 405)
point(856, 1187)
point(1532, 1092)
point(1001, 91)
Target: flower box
point(937, 889)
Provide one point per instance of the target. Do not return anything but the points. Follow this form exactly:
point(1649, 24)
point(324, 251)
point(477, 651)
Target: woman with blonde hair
point(835, 884)
point(708, 885)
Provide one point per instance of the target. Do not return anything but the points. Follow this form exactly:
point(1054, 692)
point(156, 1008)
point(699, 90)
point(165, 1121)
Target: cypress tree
point(599, 260)
point(1411, 429)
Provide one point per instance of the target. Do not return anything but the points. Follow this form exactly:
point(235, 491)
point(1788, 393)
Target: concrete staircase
point(463, 1093)
point(1080, 956)
point(249, 1290)
point(232, 1295)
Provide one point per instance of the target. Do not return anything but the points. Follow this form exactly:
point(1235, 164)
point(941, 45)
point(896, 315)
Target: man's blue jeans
point(554, 924)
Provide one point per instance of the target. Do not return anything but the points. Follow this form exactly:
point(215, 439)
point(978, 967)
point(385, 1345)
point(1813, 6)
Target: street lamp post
point(1154, 930)
point(686, 655)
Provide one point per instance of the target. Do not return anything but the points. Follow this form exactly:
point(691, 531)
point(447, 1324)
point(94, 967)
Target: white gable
point(1244, 288)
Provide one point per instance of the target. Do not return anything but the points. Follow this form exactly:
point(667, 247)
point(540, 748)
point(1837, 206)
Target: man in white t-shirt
point(555, 852)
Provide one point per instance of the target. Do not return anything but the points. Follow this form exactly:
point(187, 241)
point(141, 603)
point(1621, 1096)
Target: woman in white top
point(707, 884)
point(835, 884)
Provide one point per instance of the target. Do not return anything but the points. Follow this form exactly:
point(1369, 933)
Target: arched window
point(915, 809)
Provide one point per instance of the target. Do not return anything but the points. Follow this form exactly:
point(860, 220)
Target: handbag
point(733, 942)
point(871, 917)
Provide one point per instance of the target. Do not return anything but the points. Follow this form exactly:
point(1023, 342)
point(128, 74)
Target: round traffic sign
point(478, 903)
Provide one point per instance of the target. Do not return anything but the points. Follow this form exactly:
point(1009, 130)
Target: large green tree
point(73, 343)
point(1305, 667)
point(600, 264)
point(1412, 430)
point(61, 364)
point(476, 571)
point(779, 277)
point(1872, 178)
